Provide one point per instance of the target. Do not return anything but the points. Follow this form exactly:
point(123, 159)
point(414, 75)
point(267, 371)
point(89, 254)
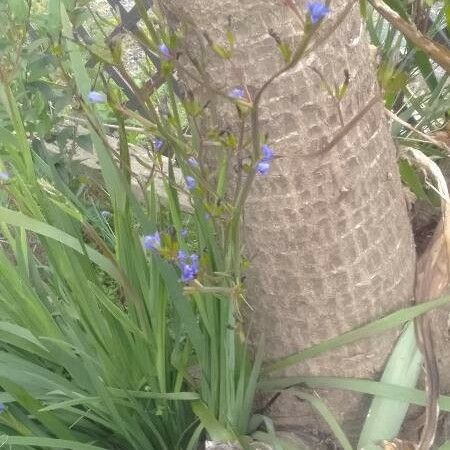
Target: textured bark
point(328, 233)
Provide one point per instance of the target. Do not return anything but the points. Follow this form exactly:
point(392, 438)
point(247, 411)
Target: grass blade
point(378, 388)
point(317, 403)
point(377, 326)
point(46, 442)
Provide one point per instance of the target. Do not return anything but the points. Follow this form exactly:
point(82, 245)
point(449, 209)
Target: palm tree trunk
point(327, 230)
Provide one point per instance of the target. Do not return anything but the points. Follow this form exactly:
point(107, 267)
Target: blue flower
point(158, 143)
point(184, 232)
point(96, 97)
point(262, 168)
point(317, 11)
point(187, 273)
point(2, 407)
point(152, 241)
point(192, 161)
point(190, 182)
point(165, 52)
point(237, 93)
point(188, 265)
point(5, 176)
point(267, 153)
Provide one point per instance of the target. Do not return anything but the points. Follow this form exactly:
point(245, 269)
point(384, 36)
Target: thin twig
point(347, 127)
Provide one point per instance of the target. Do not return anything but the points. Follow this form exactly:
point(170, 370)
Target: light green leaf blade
point(388, 322)
point(385, 416)
point(317, 403)
point(215, 429)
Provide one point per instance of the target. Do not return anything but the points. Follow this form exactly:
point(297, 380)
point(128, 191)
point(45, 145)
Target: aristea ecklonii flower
point(267, 153)
point(2, 407)
point(237, 93)
point(192, 161)
point(184, 232)
point(96, 97)
point(262, 168)
point(317, 11)
point(190, 182)
point(5, 176)
point(152, 241)
point(165, 52)
point(158, 144)
point(189, 269)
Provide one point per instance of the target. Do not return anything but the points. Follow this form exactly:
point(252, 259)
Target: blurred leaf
point(426, 69)
point(39, 67)
point(447, 13)
point(19, 9)
point(399, 7)
point(411, 179)
point(85, 142)
point(391, 79)
point(54, 17)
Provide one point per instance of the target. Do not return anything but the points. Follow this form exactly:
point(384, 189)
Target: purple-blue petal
point(317, 11)
point(181, 256)
point(190, 182)
point(152, 241)
point(96, 97)
point(165, 52)
point(158, 144)
point(192, 161)
point(237, 93)
point(262, 168)
point(267, 153)
point(5, 176)
point(187, 273)
point(194, 262)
